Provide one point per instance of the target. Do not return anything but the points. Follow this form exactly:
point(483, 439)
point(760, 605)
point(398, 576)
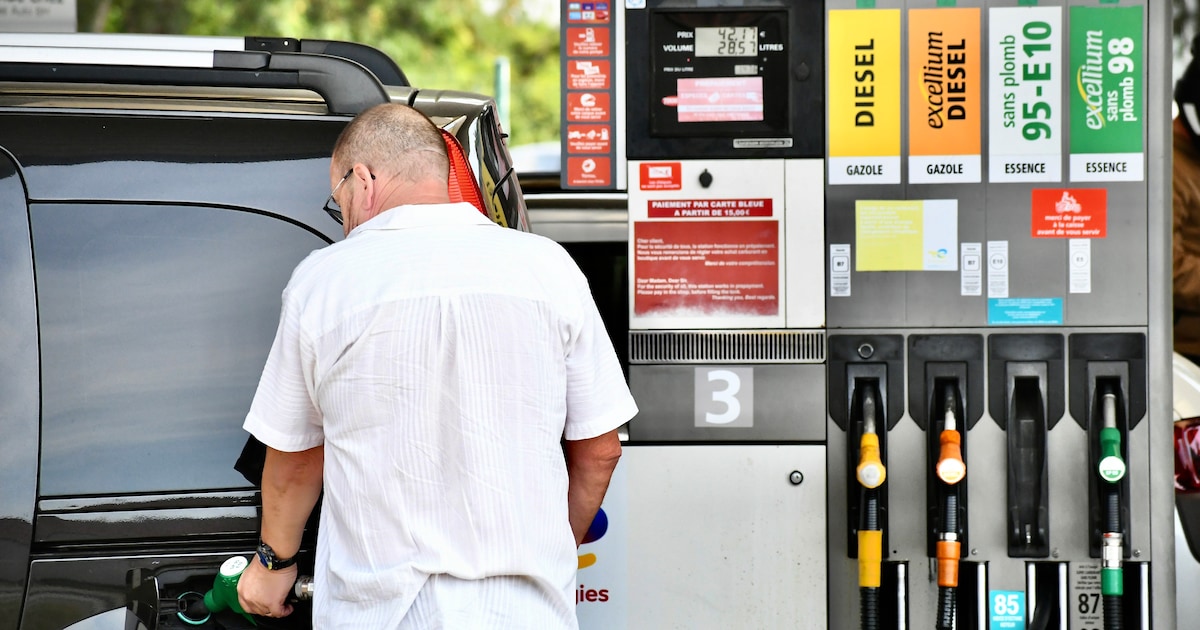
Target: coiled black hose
point(869, 602)
point(1114, 612)
point(947, 595)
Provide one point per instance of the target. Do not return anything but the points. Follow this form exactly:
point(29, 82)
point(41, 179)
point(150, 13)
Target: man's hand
point(263, 592)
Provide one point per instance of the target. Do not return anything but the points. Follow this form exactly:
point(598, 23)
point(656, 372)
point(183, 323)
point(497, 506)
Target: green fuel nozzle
point(222, 596)
point(1112, 466)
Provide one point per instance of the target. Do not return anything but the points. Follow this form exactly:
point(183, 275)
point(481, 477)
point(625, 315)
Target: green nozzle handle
point(224, 591)
point(1112, 467)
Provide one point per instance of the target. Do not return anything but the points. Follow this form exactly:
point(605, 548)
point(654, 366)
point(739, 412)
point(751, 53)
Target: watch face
point(266, 556)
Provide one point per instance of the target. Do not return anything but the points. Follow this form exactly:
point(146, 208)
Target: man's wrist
point(268, 558)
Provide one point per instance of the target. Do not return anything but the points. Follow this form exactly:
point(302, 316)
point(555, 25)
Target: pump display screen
point(720, 99)
point(727, 41)
point(719, 73)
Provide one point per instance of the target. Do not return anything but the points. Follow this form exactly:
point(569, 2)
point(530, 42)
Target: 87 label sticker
point(1025, 99)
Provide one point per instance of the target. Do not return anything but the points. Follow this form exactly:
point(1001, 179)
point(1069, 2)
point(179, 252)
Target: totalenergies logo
point(595, 532)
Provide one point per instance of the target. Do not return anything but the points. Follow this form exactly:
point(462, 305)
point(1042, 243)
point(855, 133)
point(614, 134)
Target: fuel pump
point(720, 144)
point(1109, 370)
point(870, 474)
point(823, 267)
point(950, 470)
point(1112, 471)
point(866, 400)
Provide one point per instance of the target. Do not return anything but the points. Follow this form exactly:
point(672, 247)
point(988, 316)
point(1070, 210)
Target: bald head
point(395, 141)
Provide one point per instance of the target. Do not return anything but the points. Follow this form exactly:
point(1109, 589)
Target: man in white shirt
point(450, 385)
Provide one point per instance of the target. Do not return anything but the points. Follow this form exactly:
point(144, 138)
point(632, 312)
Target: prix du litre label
point(1107, 79)
point(1025, 101)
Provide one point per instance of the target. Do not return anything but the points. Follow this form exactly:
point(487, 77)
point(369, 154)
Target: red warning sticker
point(589, 171)
point(1070, 213)
point(660, 176)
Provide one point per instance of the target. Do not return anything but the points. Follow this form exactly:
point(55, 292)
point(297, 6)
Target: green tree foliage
point(447, 44)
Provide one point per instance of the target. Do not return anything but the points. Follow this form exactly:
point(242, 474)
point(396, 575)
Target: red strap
point(463, 185)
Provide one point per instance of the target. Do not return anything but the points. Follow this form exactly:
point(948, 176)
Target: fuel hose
point(1112, 471)
point(871, 475)
point(950, 469)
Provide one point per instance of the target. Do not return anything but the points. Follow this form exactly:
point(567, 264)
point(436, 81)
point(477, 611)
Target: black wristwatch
point(266, 555)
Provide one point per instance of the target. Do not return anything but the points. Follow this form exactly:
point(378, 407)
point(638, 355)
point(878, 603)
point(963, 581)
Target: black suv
point(155, 195)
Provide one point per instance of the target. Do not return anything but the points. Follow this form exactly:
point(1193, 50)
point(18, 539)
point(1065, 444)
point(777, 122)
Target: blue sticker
point(1008, 610)
point(1025, 311)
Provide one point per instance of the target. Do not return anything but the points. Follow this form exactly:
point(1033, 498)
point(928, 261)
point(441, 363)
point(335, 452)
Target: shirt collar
point(424, 215)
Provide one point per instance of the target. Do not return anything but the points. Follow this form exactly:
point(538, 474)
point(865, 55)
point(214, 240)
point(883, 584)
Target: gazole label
point(864, 97)
point(1025, 96)
point(1106, 91)
point(944, 88)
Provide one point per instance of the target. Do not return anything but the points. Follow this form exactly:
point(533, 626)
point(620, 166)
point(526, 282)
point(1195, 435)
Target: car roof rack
point(346, 86)
point(373, 59)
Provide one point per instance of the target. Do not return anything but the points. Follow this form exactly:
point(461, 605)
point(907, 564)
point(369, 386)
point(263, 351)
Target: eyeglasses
point(331, 205)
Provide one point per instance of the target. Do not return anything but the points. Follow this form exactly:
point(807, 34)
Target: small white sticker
point(839, 270)
point(1085, 596)
point(997, 269)
point(635, 4)
point(971, 261)
point(1079, 264)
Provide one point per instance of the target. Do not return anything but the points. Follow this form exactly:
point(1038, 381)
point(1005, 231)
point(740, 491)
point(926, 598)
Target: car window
point(155, 324)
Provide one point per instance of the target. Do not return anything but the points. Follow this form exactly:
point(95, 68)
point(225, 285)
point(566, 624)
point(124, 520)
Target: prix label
point(1025, 103)
point(944, 121)
point(864, 97)
point(1107, 107)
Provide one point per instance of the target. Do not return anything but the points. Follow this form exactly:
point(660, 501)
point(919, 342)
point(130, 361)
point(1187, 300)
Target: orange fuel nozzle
point(950, 466)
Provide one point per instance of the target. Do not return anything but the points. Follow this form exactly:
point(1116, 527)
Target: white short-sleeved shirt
point(440, 359)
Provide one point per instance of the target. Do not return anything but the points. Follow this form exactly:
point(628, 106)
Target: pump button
point(706, 178)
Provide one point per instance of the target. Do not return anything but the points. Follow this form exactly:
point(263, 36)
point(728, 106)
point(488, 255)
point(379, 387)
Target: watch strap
point(266, 555)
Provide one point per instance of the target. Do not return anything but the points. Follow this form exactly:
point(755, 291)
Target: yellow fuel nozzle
point(871, 472)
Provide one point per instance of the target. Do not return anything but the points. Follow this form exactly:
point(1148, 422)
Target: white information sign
point(839, 270)
point(1080, 264)
point(971, 282)
point(997, 262)
point(1025, 66)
